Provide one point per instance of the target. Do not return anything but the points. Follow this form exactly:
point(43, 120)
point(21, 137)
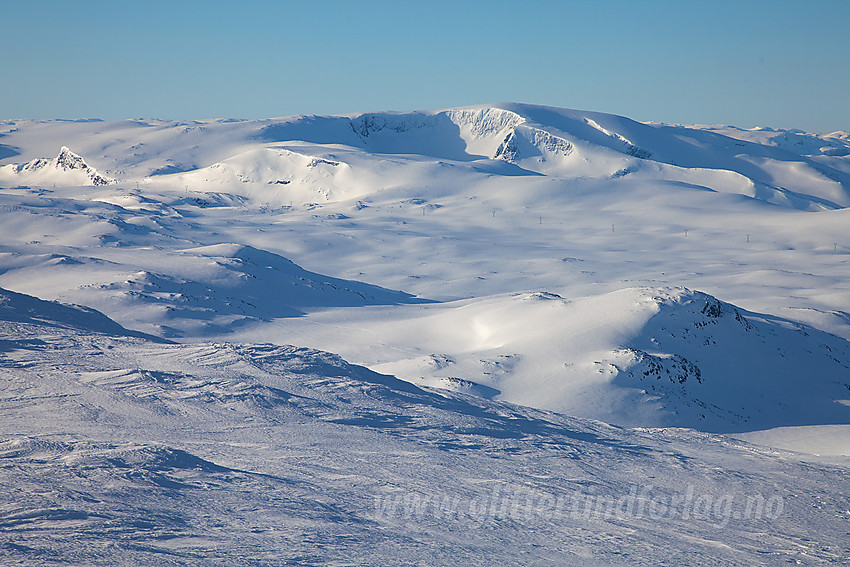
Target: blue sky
point(748, 62)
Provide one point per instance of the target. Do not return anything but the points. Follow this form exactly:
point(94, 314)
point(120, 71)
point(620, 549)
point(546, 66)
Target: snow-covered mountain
point(121, 449)
point(67, 168)
point(768, 164)
point(476, 208)
point(637, 356)
point(576, 263)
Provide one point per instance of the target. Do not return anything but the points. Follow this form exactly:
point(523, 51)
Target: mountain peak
point(67, 168)
point(69, 160)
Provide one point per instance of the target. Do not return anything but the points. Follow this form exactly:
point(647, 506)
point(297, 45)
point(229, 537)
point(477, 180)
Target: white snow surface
point(575, 263)
point(123, 449)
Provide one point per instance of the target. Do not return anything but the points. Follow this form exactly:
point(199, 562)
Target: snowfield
point(130, 449)
point(555, 333)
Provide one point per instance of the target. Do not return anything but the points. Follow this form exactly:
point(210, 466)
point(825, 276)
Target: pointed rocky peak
point(69, 160)
point(66, 168)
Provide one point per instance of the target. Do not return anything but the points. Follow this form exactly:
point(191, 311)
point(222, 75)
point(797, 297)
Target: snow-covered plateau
point(504, 334)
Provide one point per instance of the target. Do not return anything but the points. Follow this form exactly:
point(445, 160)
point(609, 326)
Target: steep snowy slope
point(122, 450)
point(693, 148)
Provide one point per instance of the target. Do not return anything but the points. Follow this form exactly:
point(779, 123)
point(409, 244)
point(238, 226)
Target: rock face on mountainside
point(718, 368)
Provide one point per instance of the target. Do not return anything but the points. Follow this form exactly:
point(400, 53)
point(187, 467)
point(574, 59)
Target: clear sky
point(745, 62)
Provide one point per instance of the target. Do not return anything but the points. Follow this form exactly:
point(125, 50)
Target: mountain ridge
point(546, 133)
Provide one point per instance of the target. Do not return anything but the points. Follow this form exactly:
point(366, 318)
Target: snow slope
point(119, 449)
point(205, 227)
point(538, 139)
point(637, 356)
point(121, 253)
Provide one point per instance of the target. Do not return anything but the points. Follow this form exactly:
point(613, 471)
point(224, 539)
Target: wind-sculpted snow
point(268, 170)
point(204, 253)
point(696, 148)
point(119, 252)
point(122, 450)
point(559, 250)
point(638, 357)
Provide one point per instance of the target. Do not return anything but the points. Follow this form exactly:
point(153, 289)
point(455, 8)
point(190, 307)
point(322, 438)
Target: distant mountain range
point(184, 230)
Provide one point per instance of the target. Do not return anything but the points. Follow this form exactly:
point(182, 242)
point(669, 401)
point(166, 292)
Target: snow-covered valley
point(498, 284)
